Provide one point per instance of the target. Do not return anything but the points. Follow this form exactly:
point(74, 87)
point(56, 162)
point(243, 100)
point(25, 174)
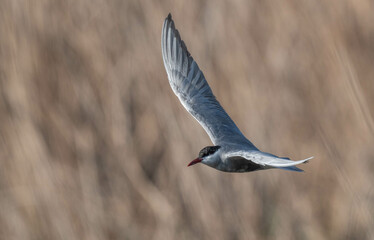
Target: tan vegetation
point(94, 144)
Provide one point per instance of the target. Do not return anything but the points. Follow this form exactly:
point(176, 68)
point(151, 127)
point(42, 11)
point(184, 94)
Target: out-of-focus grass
point(94, 145)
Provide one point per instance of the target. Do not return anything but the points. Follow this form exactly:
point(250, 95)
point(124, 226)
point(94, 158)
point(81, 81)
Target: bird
point(232, 151)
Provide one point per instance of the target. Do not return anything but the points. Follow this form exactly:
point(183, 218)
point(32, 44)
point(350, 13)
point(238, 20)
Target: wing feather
point(266, 159)
point(192, 89)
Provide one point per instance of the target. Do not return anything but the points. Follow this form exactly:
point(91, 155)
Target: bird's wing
point(189, 84)
point(266, 159)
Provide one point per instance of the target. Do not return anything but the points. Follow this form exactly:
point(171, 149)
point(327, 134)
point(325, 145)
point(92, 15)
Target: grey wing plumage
point(266, 159)
point(189, 84)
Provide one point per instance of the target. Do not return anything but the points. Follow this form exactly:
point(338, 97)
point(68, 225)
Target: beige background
point(94, 144)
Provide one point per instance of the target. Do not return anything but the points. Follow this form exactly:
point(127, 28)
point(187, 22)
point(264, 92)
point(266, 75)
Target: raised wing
point(193, 91)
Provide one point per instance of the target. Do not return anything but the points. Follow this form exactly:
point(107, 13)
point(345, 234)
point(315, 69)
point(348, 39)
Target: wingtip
point(307, 159)
point(169, 21)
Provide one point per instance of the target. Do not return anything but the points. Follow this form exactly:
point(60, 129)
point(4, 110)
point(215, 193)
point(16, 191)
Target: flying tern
point(232, 151)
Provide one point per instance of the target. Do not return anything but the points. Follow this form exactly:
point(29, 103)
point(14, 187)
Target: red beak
point(197, 160)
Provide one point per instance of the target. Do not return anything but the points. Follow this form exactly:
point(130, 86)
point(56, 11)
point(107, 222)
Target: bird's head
point(207, 155)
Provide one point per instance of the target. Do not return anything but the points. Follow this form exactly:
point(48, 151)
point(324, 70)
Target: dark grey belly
point(239, 164)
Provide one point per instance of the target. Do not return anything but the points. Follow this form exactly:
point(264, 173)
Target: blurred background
point(94, 144)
